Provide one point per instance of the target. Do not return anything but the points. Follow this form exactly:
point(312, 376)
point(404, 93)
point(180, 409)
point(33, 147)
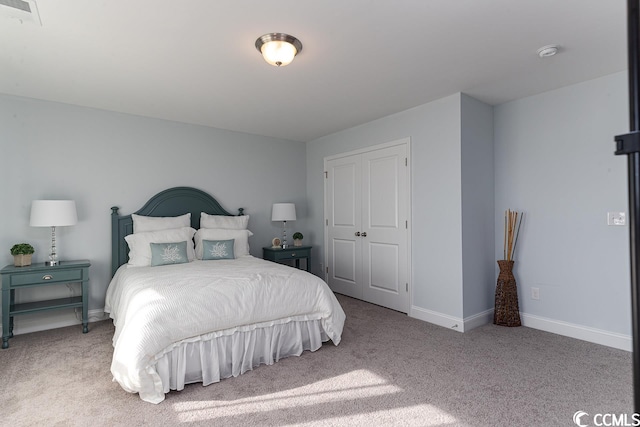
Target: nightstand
point(16, 278)
point(292, 252)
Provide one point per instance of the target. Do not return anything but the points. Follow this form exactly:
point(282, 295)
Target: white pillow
point(140, 244)
point(142, 224)
point(224, 221)
point(240, 237)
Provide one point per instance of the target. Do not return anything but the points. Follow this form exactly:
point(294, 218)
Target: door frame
point(402, 141)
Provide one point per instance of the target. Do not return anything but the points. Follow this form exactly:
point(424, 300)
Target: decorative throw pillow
point(217, 249)
point(240, 245)
point(224, 221)
point(140, 248)
point(168, 253)
point(142, 224)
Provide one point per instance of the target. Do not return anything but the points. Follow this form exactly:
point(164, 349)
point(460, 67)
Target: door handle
point(364, 234)
point(357, 234)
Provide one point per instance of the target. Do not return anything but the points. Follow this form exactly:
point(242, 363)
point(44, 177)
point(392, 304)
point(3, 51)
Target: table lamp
point(283, 212)
point(53, 213)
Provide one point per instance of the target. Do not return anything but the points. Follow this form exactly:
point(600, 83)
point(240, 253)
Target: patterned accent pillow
point(241, 237)
point(168, 253)
point(218, 249)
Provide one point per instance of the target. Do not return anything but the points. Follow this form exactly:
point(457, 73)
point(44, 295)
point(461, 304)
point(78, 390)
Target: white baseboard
point(478, 320)
point(597, 336)
point(436, 318)
point(451, 322)
point(36, 322)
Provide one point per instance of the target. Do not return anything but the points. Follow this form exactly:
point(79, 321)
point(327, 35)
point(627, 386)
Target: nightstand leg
point(12, 302)
point(85, 306)
point(6, 323)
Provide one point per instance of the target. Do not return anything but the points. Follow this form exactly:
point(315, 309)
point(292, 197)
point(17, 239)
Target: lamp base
point(51, 263)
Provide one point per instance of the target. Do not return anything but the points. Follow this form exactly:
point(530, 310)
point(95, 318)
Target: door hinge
point(406, 225)
point(406, 162)
point(326, 174)
point(326, 222)
point(407, 287)
point(327, 269)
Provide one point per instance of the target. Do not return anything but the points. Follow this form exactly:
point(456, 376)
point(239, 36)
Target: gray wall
point(554, 160)
point(477, 206)
point(101, 159)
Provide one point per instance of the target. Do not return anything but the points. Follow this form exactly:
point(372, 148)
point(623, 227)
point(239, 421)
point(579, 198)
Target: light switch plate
point(616, 218)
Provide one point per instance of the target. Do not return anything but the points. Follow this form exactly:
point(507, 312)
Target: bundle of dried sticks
point(512, 223)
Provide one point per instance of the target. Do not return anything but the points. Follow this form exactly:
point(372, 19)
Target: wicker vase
point(507, 312)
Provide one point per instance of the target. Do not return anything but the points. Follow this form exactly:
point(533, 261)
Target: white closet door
point(384, 220)
point(344, 218)
point(367, 236)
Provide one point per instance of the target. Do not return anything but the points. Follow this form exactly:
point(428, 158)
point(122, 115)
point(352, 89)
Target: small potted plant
point(22, 254)
point(297, 238)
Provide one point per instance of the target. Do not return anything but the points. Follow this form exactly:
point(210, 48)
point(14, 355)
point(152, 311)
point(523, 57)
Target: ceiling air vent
point(22, 10)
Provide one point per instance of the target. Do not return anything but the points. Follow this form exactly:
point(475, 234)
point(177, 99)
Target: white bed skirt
point(212, 357)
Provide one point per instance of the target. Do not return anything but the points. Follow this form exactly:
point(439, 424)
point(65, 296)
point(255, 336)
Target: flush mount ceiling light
point(278, 49)
point(548, 50)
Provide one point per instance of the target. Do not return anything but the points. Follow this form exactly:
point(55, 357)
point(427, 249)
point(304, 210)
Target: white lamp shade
point(283, 212)
point(53, 213)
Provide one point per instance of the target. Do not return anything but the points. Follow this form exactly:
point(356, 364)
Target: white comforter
point(157, 308)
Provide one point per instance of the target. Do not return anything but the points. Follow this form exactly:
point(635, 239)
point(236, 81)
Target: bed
point(198, 315)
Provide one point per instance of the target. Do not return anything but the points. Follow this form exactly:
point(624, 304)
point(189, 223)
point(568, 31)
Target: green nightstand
point(15, 278)
point(292, 252)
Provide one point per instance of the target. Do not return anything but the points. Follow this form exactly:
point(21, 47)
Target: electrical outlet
point(535, 293)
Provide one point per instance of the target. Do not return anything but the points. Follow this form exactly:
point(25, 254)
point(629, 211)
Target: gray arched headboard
point(172, 202)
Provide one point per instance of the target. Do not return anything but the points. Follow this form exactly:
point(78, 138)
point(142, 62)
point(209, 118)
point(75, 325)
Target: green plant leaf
point(22, 249)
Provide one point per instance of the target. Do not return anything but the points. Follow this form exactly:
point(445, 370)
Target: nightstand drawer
point(65, 276)
point(296, 254)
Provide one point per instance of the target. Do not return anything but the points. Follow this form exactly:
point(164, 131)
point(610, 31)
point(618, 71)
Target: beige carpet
point(389, 370)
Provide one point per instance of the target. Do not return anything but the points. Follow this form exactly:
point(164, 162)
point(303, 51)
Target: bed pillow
point(168, 253)
point(142, 224)
point(240, 237)
point(140, 244)
point(224, 221)
point(218, 249)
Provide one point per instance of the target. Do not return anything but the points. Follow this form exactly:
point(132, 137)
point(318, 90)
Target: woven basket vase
point(507, 312)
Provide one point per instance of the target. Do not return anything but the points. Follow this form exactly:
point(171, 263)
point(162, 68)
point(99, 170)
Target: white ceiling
point(194, 61)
